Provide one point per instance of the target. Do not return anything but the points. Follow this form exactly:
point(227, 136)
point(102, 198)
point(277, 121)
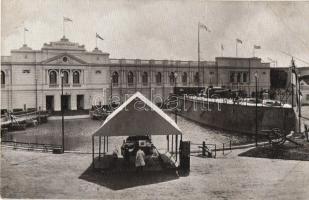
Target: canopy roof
point(138, 116)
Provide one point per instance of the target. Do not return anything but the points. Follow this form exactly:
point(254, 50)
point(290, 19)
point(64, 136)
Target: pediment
point(64, 59)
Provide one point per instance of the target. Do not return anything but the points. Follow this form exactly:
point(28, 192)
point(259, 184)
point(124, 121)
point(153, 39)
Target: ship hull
point(238, 118)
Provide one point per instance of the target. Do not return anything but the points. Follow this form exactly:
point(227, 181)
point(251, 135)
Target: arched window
point(245, 77)
point(172, 78)
point(115, 77)
point(130, 78)
point(184, 78)
point(53, 78)
point(196, 78)
point(2, 78)
point(76, 77)
point(145, 78)
point(238, 77)
point(65, 77)
point(159, 78)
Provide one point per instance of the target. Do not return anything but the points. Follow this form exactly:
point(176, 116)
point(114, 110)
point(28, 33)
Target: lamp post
point(175, 75)
point(111, 78)
point(299, 105)
point(256, 108)
point(62, 112)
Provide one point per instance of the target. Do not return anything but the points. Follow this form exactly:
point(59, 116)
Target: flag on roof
point(25, 29)
point(257, 47)
point(222, 47)
point(238, 41)
point(98, 36)
point(66, 19)
point(203, 26)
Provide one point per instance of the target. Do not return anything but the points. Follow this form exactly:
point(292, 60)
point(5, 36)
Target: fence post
point(203, 149)
point(223, 148)
point(215, 150)
point(230, 145)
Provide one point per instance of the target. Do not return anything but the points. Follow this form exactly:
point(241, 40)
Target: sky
point(163, 29)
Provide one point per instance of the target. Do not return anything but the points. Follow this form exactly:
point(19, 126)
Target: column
point(57, 102)
point(73, 102)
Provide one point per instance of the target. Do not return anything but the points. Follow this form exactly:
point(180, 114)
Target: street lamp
point(256, 108)
point(175, 76)
point(62, 111)
point(299, 105)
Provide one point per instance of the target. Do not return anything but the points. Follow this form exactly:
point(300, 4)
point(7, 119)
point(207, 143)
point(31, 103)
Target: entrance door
point(80, 102)
point(65, 102)
point(50, 103)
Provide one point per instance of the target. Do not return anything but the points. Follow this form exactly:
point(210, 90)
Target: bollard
point(223, 149)
point(204, 149)
point(215, 150)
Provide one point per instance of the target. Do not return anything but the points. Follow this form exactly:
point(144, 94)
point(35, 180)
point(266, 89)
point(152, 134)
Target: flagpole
point(198, 51)
point(236, 49)
point(63, 31)
point(253, 52)
point(221, 51)
point(24, 36)
point(96, 41)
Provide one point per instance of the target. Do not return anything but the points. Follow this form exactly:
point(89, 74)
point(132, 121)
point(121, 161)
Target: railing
point(31, 146)
point(53, 85)
point(76, 85)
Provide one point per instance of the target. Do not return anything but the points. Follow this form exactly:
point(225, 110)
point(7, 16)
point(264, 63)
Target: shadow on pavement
point(119, 174)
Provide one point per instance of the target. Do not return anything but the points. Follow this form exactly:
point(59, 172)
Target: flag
point(238, 41)
point(222, 47)
point(203, 26)
point(98, 36)
point(257, 47)
point(25, 29)
point(66, 19)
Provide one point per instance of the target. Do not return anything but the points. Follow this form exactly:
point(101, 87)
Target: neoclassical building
point(32, 78)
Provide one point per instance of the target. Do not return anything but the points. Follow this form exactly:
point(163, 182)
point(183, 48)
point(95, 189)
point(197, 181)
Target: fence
point(32, 146)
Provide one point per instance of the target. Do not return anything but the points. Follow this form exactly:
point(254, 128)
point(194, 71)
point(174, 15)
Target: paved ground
point(44, 175)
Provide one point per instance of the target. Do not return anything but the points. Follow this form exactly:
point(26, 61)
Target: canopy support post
point(168, 143)
point(92, 152)
point(172, 144)
point(104, 144)
point(99, 147)
point(176, 146)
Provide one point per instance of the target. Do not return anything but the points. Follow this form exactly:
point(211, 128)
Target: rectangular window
point(307, 97)
point(26, 71)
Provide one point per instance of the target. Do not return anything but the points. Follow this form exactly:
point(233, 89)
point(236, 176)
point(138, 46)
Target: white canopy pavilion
point(135, 117)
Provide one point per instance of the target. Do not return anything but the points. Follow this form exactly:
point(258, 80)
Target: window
point(184, 78)
point(76, 77)
point(245, 77)
point(26, 71)
point(53, 78)
point(65, 77)
point(211, 73)
point(159, 78)
point(232, 77)
point(2, 78)
point(98, 71)
point(145, 78)
point(196, 78)
point(115, 77)
point(172, 78)
point(307, 97)
point(238, 77)
point(130, 78)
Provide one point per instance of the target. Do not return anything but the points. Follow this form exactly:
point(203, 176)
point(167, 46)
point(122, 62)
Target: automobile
point(131, 145)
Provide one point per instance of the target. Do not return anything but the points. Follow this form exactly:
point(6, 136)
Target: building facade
point(32, 79)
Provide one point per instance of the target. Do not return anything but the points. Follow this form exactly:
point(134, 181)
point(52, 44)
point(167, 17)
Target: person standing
point(140, 160)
